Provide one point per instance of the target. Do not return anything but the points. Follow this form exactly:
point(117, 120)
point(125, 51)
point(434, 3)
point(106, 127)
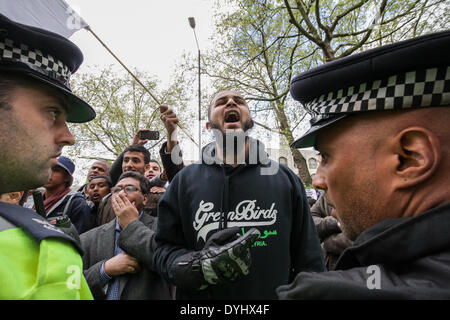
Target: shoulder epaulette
point(38, 227)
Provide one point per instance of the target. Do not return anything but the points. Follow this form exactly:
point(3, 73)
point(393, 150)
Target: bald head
point(99, 167)
point(387, 164)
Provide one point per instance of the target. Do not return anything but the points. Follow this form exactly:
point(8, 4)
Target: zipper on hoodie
point(228, 172)
point(225, 201)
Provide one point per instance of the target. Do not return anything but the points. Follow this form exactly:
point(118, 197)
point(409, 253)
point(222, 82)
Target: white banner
point(53, 15)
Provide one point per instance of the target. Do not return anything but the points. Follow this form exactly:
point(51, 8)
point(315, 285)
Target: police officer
point(381, 124)
point(37, 260)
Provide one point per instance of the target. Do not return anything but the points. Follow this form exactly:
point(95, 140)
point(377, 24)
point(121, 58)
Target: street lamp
point(192, 24)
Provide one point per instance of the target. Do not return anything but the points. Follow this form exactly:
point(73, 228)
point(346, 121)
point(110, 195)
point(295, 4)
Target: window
point(283, 161)
point(312, 163)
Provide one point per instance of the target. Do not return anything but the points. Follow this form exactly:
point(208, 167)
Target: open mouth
point(232, 117)
point(95, 196)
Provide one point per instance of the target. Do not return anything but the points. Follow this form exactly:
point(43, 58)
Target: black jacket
point(410, 257)
point(74, 205)
point(192, 209)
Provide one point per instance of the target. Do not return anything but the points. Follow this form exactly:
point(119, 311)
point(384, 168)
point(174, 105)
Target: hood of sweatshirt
point(256, 154)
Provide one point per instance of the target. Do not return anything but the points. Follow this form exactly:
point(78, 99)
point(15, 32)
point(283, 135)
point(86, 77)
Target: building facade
point(284, 156)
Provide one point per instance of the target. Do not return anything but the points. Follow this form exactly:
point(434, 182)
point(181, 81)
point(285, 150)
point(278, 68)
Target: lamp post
point(192, 24)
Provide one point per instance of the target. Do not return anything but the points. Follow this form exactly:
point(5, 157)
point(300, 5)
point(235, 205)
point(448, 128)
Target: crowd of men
point(236, 225)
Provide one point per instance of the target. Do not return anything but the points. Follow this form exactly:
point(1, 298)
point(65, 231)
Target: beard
point(232, 142)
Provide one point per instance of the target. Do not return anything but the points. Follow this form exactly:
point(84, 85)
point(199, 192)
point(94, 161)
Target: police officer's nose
point(63, 136)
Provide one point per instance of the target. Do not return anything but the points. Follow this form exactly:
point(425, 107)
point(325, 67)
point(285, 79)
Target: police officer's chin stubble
point(22, 165)
point(14, 177)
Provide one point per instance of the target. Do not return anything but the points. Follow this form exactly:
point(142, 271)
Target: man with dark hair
point(97, 189)
point(381, 124)
point(137, 158)
point(156, 192)
point(60, 200)
point(236, 225)
point(35, 103)
point(153, 170)
point(134, 158)
point(118, 255)
point(144, 184)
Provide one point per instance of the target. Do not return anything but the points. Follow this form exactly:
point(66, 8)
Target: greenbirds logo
point(261, 241)
point(246, 214)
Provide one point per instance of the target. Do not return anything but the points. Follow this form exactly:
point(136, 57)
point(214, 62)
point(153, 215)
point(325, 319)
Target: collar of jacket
point(256, 155)
point(35, 225)
point(394, 241)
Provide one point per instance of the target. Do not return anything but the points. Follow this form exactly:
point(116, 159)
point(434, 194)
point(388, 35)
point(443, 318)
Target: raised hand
point(125, 211)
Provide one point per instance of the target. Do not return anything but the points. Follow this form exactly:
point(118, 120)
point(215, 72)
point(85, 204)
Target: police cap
point(46, 57)
point(409, 74)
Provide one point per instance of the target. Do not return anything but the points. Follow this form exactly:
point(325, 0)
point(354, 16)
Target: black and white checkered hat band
point(415, 89)
point(36, 60)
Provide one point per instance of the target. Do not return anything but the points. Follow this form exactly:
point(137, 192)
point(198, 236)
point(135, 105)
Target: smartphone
point(149, 135)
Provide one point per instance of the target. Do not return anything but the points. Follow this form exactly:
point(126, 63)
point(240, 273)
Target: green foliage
point(123, 107)
point(260, 45)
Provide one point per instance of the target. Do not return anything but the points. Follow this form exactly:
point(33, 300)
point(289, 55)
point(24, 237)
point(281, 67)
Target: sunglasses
point(127, 189)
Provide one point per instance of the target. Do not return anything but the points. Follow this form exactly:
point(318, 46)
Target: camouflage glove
point(225, 258)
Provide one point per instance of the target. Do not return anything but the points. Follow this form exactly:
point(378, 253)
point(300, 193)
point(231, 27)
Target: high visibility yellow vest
point(36, 260)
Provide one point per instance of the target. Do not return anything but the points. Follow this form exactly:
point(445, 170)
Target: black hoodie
point(260, 193)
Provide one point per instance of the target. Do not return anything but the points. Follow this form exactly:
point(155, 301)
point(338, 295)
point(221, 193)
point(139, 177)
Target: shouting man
point(234, 209)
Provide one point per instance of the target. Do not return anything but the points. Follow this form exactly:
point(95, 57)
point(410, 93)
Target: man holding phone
point(137, 158)
point(147, 134)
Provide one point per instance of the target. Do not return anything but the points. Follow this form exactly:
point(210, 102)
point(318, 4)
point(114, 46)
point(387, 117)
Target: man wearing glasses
point(116, 260)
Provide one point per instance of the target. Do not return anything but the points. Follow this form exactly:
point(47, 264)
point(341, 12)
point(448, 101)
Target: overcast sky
point(150, 35)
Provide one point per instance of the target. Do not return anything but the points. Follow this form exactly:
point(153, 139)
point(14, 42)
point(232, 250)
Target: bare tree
point(339, 28)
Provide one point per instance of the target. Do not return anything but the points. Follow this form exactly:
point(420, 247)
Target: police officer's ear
point(418, 154)
point(11, 197)
point(16, 196)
